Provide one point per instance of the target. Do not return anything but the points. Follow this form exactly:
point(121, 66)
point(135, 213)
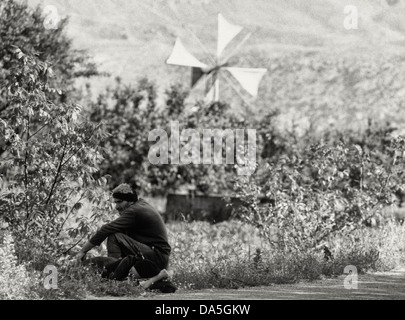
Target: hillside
point(133, 38)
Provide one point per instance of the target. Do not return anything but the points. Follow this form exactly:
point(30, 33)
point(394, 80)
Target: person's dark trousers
point(119, 270)
point(120, 246)
point(99, 262)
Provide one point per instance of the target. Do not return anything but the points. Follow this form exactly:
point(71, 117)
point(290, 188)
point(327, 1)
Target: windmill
point(248, 78)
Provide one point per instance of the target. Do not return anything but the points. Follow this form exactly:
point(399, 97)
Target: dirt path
point(372, 286)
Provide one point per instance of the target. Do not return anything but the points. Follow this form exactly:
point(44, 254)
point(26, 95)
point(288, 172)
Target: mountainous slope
point(133, 38)
point(129, 37)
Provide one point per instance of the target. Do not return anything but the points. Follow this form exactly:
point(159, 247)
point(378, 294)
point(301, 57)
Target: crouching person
point(137, 241)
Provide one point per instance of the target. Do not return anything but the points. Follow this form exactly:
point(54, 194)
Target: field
point(227, 255)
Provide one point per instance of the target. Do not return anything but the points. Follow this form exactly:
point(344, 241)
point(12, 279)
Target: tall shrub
point(49, 151)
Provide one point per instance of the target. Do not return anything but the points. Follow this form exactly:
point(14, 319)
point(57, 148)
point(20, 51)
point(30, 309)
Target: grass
point(232, 255)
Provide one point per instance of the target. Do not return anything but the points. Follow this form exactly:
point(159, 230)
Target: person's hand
point(80, 256)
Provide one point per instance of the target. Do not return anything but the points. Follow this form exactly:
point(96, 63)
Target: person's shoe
point(164, 286)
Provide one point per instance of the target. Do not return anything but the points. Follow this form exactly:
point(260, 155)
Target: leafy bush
point(49, 151)
point(16, 282)
point(51, 156)
point(322, 189)
point(22, 27)
point(131, 112)
point(78, 282)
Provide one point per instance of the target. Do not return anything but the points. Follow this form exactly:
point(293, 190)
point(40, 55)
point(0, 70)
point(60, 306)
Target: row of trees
point(130, 113)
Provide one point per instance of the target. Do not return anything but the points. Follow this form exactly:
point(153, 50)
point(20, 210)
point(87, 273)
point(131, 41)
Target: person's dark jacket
point(141, 222)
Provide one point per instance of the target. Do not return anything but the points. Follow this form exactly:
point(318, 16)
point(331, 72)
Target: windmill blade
point(181, 57)
point(212, 87)
point(226, 32)
point(210, 96)
point(191, 32)
point(230, 81)
point(249, 78)
point(234, 51)
point(196, 75)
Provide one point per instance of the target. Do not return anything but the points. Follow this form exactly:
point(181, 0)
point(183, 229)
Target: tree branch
point(56, 176)
point(65, 252)
point(26, 168)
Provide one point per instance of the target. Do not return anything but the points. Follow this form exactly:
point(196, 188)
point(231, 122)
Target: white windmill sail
point(226, 32)
point(181, 57)
point(249, 78)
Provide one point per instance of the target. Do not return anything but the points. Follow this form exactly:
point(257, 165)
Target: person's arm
point(121, 224)
point(118, 225)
